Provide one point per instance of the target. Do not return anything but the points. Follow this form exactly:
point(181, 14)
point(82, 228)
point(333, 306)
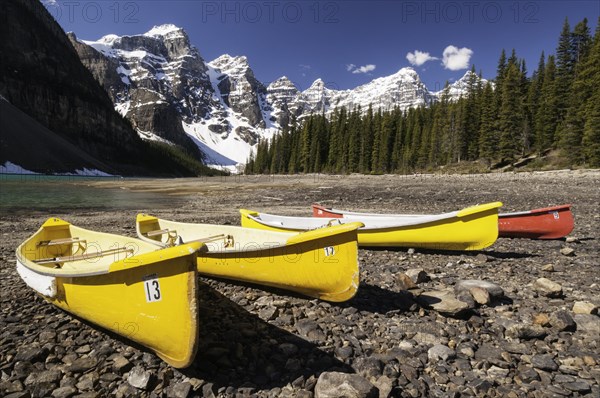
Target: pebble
point(494, 290)
point(179, 390)
point(525, 332)
point(443, 302)
point(337, 384)
point(480, 295)
point(541, 319)
point(440, 352)
point(139, 378)
point(548, 268)
point(584, 307)
point(544, 362)
point(404, 282)
point(121, 364)
point(548, 288)
point(64, 392)
point(418, 275)
point(562, 321)
point(80, 365)
point(589, 324)
point(567, 251)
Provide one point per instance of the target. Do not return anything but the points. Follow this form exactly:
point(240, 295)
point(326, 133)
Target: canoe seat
point(172, 238)
point(85, 256)
point(65, 241)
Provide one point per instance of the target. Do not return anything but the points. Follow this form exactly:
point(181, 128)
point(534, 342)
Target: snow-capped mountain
point(461, 87)
point(160, 82)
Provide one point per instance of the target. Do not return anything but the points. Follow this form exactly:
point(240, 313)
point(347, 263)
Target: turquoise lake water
point(43, 193)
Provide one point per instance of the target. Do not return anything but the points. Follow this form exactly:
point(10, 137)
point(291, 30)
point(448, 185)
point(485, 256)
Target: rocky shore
point(519, 319)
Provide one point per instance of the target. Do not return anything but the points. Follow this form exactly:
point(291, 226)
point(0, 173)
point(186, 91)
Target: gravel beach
point(519, 319)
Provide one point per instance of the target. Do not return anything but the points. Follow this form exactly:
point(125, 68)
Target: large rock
point(547, 288)
point(344, 385)
point(443, 301)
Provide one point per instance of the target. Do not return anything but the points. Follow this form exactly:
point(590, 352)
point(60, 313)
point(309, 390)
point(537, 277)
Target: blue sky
point(346, 43)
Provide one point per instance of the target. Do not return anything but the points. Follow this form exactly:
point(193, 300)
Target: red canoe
point(547, 223)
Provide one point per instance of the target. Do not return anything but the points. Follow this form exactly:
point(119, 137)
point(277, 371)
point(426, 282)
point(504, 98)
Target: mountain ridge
point(219, 104)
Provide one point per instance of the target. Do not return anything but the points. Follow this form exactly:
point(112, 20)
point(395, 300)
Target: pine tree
point(511, 117)
point(397, 147)
point(501, 69)
point(546, 118)
point(534, 94)
point(366, 147)
point(564, 70)
point(590, 74)
point(571, 133)
point(440, 111)
point(354, 141)
point(591, 132)
point(487, 129)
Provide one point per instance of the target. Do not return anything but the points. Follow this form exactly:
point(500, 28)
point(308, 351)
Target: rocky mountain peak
point(283, 83)
point(167, 31)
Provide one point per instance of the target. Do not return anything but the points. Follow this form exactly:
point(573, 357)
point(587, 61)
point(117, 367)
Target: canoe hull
point(150, 299)
point(547, 223)
point(326, 268)
point(321, 264)
point(469, 229)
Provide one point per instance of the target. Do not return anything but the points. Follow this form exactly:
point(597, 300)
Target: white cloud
point(418, 58)
point(456, 58)
point(361, 69)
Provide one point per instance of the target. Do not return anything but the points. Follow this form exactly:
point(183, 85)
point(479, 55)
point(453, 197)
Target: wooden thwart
point(160, 232)
point(64, 241)
point(208, 239)
point(85, 256)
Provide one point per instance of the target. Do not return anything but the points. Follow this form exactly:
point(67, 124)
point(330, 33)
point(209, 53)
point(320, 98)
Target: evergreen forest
point(554, 109)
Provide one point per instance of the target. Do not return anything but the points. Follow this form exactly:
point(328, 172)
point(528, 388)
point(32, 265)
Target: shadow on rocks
point(238, 349)
point(382, 301)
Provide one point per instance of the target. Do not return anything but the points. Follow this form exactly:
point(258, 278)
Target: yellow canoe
point(322, 263)
point(118, 283)
point(472, 228)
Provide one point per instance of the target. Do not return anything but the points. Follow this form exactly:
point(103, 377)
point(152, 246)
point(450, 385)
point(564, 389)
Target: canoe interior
point(217, 238)
point(61, 249)
point(143, 294)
